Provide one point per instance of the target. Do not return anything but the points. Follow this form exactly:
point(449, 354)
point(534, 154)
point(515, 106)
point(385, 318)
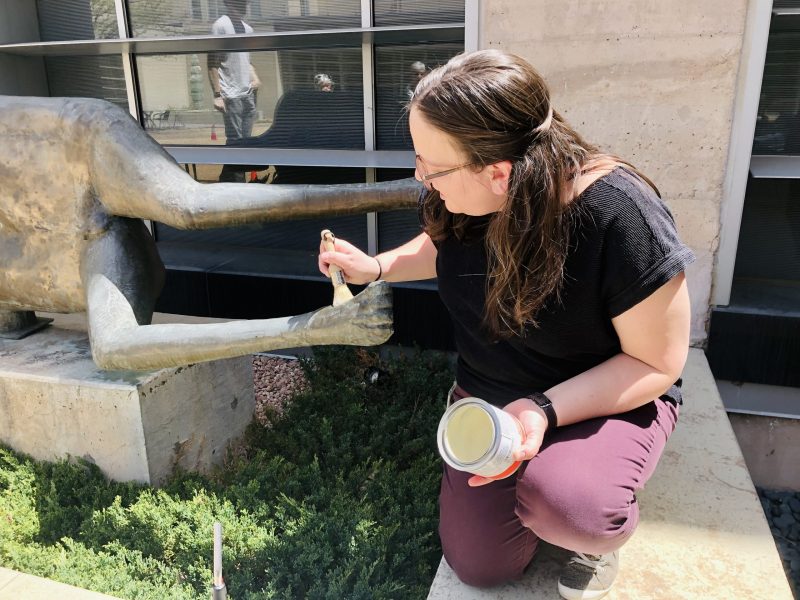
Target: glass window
point(298, 239)
point(398, 226)
point(397, 71)
point(767, 268)
point(301, 235)
point(769, 239)
point(307, 99)
point(61, 20)
point(417, 12)
point(778, 122)
point(288, 110)
point(87, 76)
point(162, 18)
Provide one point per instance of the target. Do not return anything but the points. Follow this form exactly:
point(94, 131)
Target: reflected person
point(416, 73)
point(323, 82)
point(234, 82)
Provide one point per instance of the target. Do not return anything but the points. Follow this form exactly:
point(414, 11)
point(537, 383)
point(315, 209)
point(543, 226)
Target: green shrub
point(335, 499)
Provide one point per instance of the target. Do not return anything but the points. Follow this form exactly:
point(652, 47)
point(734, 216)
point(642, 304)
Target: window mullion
point(127, 59)
point(368, 73)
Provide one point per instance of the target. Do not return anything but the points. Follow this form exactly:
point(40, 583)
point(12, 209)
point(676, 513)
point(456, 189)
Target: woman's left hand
point(534, 424)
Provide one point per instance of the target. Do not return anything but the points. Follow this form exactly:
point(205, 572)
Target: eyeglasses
point(425, 177)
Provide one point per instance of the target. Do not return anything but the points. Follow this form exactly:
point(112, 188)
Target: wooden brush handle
point(341, 293)
point(337, 277)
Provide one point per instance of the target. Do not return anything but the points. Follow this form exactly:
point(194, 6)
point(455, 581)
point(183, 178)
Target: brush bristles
point(341, 294)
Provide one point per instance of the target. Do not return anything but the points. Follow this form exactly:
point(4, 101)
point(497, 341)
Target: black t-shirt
point(623, 248)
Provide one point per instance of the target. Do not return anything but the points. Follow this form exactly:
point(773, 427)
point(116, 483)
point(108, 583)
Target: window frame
point(367, 36)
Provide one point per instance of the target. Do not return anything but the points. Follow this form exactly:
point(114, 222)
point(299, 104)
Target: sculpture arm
point(117, 276)
point(119, 342)
point(134, 177)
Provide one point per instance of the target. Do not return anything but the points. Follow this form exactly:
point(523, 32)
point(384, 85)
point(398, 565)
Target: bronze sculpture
point(73, 239)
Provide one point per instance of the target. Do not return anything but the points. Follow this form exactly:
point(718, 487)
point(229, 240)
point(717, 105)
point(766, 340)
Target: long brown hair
point(496, 107)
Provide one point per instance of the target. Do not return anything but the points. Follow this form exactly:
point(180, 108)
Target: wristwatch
point(217, 95)
point(544, 403)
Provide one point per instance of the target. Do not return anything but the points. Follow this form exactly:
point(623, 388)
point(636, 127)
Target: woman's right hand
point(357, 267)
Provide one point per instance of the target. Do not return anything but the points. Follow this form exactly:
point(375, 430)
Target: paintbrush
point(341, 293)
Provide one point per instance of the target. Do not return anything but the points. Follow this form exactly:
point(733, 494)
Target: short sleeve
point(641, 250)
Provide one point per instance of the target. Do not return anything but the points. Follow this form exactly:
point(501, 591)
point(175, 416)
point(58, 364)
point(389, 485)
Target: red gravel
point(276, 380)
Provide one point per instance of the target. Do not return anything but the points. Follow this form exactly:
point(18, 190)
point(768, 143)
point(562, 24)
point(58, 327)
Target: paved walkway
point(702, 534)
point(21, 586)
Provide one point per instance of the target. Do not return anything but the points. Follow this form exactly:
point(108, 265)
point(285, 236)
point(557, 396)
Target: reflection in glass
point(61, 20)
point(178, 102)
point(398, 226)
point(417, 12)
point(778, 122)
point(159, 18)
point(397, 71)
point(769, 239)
point(296, 241)
point(87, 76)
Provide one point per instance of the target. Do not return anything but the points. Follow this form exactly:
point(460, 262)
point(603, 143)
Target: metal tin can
point(479, 438)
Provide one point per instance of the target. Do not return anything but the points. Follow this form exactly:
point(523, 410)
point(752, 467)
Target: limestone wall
point(651, 81)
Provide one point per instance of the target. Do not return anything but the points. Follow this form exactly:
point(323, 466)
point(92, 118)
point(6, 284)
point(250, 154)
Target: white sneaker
point(588, 576)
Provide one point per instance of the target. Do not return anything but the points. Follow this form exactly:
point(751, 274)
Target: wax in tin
point(479, 438)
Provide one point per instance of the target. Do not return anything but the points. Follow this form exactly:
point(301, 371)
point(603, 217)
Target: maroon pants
point(578, 493)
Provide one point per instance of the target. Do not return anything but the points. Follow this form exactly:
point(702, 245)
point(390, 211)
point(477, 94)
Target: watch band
point(547, 406)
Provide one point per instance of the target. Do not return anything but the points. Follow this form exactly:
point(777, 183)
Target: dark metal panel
point(420, 318)
point(754, 347)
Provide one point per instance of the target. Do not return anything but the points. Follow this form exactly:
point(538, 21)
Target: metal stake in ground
point(341, 293)
point(218, 591)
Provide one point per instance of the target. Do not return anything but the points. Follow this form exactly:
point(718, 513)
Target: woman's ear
point(499, 176)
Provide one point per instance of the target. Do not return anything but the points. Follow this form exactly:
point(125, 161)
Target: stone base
point(135, 425)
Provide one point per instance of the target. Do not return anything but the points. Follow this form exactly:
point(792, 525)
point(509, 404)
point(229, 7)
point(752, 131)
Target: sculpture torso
point(48, 210)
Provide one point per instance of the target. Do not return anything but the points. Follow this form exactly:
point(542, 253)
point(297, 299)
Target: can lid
point(467, 432)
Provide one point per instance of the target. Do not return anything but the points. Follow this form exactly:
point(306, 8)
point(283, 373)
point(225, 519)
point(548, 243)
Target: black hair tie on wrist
point(380, 269)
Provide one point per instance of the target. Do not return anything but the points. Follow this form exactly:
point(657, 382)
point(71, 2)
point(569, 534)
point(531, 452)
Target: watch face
point(540, 400)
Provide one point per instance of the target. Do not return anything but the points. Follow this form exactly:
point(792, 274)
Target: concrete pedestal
point(135, 425)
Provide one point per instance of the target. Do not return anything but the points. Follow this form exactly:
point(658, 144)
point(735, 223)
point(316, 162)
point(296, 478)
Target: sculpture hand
point(366, 320)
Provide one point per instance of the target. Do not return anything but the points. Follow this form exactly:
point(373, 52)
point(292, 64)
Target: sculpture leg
point(119, 341)
point(16, 325)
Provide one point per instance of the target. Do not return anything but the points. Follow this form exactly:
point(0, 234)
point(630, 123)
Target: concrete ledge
point(15, 585)
point(702, 533)
point(771, 447)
